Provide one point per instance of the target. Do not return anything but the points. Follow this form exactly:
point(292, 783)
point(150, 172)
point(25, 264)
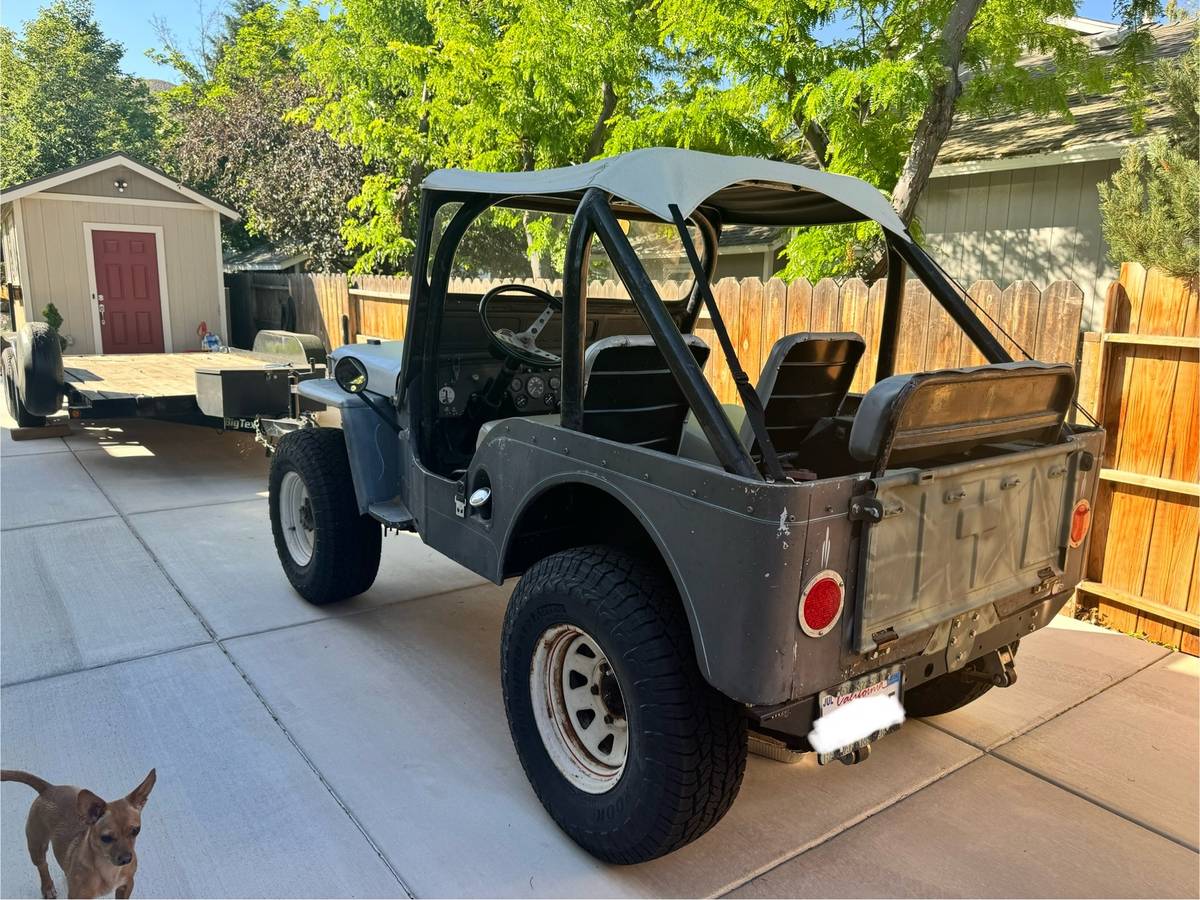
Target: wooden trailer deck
point(157, 375)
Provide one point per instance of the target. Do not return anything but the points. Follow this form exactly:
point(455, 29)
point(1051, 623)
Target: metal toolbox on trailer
point(243, 393)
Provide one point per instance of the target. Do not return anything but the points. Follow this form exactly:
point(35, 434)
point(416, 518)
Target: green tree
point(63, 97)
point(229, 128)
point(877, 99)
point(494, 84)
point(1150, 208)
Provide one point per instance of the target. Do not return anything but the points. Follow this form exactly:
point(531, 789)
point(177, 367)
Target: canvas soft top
point(744, 190)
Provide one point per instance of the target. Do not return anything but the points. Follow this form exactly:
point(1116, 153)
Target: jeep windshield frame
point(596, 212)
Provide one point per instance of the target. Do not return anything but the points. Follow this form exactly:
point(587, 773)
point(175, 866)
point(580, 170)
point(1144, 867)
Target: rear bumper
point(975, 634)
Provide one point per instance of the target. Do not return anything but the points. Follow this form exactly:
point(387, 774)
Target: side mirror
point(350, 374)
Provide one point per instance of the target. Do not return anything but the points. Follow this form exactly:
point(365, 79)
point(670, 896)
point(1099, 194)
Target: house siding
point(1040, 224)
point(100, 184)
point(57, 266)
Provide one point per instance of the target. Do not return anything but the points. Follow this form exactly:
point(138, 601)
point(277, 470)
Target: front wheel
point(631, 752)
point(328, 551)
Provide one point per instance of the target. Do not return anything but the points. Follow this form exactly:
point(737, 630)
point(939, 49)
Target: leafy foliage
point(63, 97)
point(1150, 208)
point(862, 87)
point(771, 81)
point(231, 131)
point(494, 84)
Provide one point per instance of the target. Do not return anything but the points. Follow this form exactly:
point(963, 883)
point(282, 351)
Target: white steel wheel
point(296, 518)
point(579, 709)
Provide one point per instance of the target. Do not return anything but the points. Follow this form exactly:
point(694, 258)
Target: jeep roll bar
point(594, 216)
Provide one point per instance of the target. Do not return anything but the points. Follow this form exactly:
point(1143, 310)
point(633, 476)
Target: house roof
point(1099, 127)
point(745, 190)
point(53, 179)
point(263, 258)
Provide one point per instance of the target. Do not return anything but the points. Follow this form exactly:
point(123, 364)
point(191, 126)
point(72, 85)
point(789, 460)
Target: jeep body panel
point(738, 550)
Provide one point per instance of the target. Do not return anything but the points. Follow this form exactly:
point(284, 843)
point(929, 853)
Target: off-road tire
point(945, 693)
point(687, 742)
point(16, 408)
point(346, 545)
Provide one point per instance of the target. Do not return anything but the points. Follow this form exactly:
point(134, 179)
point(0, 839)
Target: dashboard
point(527, 391)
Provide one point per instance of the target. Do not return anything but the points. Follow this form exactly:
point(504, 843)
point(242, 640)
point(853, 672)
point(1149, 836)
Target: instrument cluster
point(531, 392)
point(534, 391)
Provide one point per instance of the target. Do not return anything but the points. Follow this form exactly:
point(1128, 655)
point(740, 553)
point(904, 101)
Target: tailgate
point(956, 537)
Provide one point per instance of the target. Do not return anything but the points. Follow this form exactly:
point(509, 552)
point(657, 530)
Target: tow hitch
point(997, 668)
point(855, 756)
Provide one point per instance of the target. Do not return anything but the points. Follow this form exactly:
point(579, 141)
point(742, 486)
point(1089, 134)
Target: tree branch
point(818, 142)
point(939, 112)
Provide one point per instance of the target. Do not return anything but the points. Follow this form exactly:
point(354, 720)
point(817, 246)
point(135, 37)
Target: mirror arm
point(375, 408)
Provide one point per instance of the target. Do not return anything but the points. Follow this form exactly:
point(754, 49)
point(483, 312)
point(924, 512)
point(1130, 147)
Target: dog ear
point(140, 794)
point(90, 807)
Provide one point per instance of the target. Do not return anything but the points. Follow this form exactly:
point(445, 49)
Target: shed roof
point(263, 258)
point(745, 190)
point(1099, 124)
point(53, 179)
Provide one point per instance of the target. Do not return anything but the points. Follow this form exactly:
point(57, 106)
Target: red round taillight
point(821, 603)
point(1081, 521)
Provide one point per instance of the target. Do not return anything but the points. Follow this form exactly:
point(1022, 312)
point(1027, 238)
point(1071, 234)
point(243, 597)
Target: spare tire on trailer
point(39, 369)
point(16, 408)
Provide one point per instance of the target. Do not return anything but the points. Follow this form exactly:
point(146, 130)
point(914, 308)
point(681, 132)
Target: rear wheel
point(328, 551)
point(628, 748)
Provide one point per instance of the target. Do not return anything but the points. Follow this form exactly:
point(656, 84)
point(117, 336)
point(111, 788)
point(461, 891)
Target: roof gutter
point(1086, 153)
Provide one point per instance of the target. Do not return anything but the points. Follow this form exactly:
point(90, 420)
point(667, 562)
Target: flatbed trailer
point(231, 389)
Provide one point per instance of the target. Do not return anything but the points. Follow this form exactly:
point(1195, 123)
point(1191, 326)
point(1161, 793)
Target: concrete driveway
point(362, 750)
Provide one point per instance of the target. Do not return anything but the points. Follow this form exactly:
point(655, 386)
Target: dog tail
point(38, 784)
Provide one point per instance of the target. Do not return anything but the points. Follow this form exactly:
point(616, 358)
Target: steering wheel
point(522, 347)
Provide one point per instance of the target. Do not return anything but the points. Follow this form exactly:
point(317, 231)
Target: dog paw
point(49, 893)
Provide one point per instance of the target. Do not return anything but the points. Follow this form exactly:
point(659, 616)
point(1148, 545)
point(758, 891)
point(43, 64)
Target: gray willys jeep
point(790, 566)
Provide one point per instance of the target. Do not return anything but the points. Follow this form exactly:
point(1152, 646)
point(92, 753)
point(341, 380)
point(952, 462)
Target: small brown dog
point(93, 840)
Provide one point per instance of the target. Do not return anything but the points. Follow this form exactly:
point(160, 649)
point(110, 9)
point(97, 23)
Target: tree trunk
point(535, 257)
point(939, 112)
point(608, 105)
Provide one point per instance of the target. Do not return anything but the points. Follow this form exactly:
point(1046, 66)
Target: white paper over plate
point(855, 720)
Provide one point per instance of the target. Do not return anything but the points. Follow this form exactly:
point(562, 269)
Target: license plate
point(867, 706)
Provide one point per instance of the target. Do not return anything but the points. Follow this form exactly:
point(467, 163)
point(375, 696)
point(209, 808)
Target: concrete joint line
point(852, 823)
point(249, 683)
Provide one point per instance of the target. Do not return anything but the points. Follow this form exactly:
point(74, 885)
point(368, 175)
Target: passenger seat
point(805, 379)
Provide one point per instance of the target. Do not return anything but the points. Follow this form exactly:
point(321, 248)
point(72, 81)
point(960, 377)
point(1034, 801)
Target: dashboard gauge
point(554, 382)
point(535, 386)
point(516, 385)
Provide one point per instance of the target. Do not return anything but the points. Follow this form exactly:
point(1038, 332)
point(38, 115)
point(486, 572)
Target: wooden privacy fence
point(1143, 571)
point(342, 309)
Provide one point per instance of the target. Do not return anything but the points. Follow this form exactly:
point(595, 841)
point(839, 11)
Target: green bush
point(52, 317)
point(1150, 208)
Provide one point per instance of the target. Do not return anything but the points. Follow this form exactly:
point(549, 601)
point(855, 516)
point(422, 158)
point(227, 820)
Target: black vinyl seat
point(911, 419)
point(630, 395)
point(805, 379)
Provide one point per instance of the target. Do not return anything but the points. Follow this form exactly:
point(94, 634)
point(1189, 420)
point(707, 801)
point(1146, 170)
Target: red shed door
point(127, 292)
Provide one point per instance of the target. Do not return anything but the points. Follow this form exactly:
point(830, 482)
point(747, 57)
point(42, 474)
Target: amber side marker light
point(1081, 522)
point(821, 603)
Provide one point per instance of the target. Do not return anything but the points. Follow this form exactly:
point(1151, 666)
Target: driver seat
point(630, 395)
